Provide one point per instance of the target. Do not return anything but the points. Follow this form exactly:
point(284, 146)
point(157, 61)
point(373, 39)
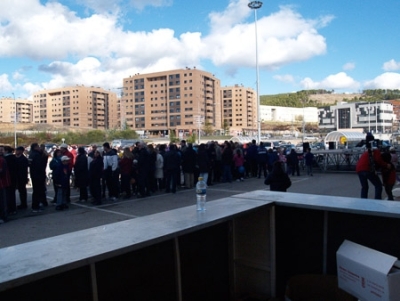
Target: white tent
point(349, 137)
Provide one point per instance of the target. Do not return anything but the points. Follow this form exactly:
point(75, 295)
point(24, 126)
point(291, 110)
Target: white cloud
point(349, 66)
point(285, 78)
point(5, 85)
point(283, 38)
point(391, 65)
point(18, 76)
point(387, 80)
point(140, 4)
point(339, 81)
point(70, 49)
point(117, 6)
point(88, 72)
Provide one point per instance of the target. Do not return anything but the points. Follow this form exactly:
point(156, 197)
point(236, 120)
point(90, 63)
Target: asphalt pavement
point(26, 226)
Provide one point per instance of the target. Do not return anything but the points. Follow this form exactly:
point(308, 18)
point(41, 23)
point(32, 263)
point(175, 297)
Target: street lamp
point(122, 121)
point(15, 122)
point(256, 5)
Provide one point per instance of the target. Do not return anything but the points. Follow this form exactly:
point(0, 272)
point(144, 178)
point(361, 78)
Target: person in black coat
point(172, 164)
point(95, 176)
point(227, 162)
point(203, 162)
point(22, 164)
point(37, 169)
point(10, 190)
point(278, 180)
point(293, 162)
point(81, 171)
point(262, 160)
point(189, 165)
point(143, 170)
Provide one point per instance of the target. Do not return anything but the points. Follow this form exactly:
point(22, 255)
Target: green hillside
point(321, 98)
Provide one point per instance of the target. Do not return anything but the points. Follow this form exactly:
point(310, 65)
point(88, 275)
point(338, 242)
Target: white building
point(288, 114)
point(375, 117)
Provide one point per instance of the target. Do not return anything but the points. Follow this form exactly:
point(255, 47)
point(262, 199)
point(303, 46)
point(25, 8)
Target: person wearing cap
point(37, 170)
point(22, 164)
point(367, 166)
point(61, 177)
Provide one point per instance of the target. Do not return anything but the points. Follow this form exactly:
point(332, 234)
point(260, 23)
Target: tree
point(95, 136)
point(192, 138)
point(208, 128)
point(172, 136)
point(226, 127)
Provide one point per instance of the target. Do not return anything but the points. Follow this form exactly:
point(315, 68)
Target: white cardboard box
point(367, 274)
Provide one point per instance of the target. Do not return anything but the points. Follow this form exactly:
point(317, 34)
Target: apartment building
point(239, 105)
point(15, 110)
point(76, 106)
point(174, 100)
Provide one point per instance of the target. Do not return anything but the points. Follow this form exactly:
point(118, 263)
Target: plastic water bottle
point(201, 194)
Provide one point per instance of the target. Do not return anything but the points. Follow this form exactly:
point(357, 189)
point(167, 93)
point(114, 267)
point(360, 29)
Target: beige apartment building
point(174, 100)
point(17, 110)
point(76, 106)
point(239, 110)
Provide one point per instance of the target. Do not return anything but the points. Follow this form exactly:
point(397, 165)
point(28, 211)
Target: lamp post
point(122, 120)
point(256, 5)
point(15, 122)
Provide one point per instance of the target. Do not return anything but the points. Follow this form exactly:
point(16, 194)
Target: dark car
point(318, 145)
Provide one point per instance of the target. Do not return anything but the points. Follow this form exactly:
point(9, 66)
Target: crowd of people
point(139, 170)
point(104, 173)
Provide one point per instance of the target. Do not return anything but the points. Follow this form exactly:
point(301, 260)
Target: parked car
point(299, 147)
point(318, 145)
point(310, 138)
point(288, 148)
point(271, 144)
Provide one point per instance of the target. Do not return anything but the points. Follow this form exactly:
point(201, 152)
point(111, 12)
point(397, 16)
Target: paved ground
point(27, 226)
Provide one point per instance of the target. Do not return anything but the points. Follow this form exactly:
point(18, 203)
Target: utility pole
point(122, 120)
point(255, 5)
point(15, 122)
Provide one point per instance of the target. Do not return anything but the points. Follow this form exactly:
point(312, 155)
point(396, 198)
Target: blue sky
point(345, 46)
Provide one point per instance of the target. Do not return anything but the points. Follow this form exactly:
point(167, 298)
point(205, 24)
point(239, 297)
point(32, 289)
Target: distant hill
point(334, 98)
point(320, 98)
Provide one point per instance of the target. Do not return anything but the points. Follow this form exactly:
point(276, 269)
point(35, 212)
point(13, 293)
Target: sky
point(342, 46)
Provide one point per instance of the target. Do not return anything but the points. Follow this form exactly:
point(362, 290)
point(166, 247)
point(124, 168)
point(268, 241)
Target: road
point(27, 226)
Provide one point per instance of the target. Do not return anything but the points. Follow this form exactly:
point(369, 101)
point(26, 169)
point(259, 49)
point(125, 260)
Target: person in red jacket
point(367, 166)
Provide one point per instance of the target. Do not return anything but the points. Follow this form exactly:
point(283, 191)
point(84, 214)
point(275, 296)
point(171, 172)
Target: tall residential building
point(239, 105)
point(173, 100)
point(79, 106)
point(15, 110)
